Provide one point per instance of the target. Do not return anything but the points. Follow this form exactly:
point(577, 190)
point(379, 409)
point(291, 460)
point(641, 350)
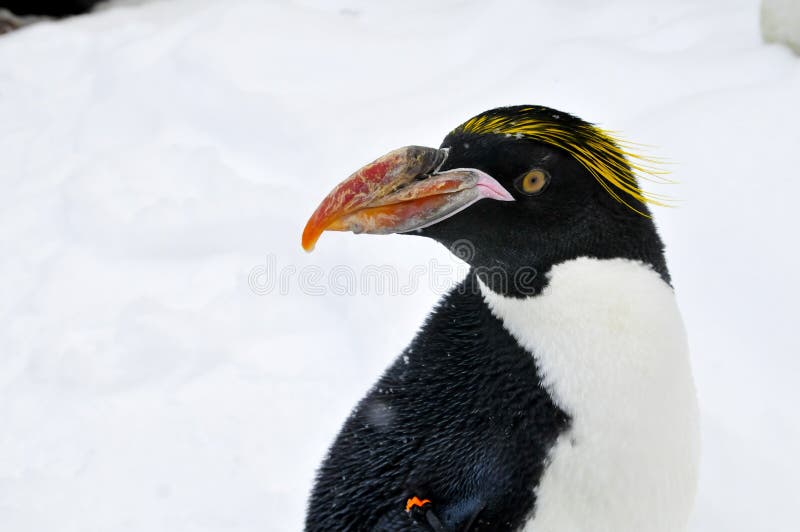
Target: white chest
point(610, 345)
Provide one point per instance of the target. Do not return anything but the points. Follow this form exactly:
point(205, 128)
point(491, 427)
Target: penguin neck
point(523, 268)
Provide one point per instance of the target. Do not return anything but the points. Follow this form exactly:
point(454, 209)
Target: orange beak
point(400, 192)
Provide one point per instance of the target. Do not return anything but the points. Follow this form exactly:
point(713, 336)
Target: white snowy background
point(159, 160)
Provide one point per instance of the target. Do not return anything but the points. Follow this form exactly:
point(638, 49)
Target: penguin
point(50, 8)
point(15, 14)
point(551, 390)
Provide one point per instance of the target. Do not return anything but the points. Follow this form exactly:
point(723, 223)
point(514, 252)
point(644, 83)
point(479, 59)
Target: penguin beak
point(399, 192)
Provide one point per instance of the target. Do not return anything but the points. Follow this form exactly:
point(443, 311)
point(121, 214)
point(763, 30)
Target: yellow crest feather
point(609, 159)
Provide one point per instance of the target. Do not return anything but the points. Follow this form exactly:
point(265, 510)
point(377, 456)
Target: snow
point(161, 158)
point(780, 22)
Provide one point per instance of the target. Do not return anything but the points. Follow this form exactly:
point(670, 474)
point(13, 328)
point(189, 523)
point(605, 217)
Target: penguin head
point(512, 191)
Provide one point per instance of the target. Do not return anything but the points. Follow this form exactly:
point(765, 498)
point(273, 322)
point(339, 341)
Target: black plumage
point(50, 8)
point(461, 418)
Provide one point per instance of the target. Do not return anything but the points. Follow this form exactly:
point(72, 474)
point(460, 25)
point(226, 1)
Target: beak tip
point(490, 188)
point(310, 237)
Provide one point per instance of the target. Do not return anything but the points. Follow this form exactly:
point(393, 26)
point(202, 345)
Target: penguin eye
point(533, 181)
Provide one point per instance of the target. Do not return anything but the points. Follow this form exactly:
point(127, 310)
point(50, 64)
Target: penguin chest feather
point(608, 340)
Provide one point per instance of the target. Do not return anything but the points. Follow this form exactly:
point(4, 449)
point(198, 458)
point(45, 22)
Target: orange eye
point(533, 181)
